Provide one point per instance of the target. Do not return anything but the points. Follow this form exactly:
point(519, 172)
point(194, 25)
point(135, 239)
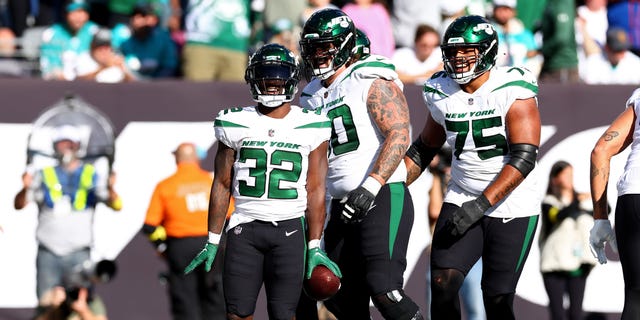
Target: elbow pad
point(523, 157)
point(421, 154)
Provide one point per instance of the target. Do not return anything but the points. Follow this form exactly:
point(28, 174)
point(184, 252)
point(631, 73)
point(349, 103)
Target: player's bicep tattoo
point(388, 108)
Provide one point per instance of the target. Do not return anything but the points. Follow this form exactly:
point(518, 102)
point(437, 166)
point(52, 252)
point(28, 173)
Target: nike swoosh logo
point(507, 220)
point(288, 233)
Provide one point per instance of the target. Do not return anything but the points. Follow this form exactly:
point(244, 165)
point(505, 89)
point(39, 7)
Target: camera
point(85, 275)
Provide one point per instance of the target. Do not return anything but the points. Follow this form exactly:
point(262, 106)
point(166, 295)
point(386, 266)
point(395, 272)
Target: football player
point(272, 158)
point(371, 212)
point(623, 132)
point(489, 116)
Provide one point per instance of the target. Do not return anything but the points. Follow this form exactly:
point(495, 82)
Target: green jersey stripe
point(519, 83)
point(531, 229)
point(433, 90)
point(227, 124)
point(371, 64)
point(397, 205)
point(323, 124)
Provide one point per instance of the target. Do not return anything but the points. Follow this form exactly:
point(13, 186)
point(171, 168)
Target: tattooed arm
point(221, 188)
point(615, 139)
point(388, 108)
point(523, 126)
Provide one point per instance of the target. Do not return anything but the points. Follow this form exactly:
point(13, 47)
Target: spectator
point(66, 195)
point(280, 199)
point(176, 223)
point(613, 65)
point(217, 41)
point(11, 64)
point(624, 14)
point(559, 47)
point(57, 304)
point(147, 47)
point(282, 32)
point(315, 5)
point(593, 15)
point(291, 10)
point(451, 10)
point(405, 21)
point(102, 63)
point(63, 43)
point(415, 65)
point(565, 261)
point(373, 18)
point(120, 10)
point(517, 46)
point(591, 21)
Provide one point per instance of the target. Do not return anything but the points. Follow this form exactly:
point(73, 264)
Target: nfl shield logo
point(237, 230)
point(271, 132)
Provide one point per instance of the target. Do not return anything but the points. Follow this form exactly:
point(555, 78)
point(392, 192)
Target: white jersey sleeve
point(272, 159)
point(475, 125)
point(311, 96)
point(356, 141)
point(629, 181)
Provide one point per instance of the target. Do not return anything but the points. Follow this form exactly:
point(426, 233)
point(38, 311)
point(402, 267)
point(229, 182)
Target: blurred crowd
point(568, 41)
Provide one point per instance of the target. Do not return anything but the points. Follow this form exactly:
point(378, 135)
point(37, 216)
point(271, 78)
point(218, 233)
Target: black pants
point(559, 283)
point(628, 237)
point(371, 254)
point(198, 295)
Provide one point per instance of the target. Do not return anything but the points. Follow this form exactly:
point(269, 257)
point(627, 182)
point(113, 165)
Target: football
point(322, 285)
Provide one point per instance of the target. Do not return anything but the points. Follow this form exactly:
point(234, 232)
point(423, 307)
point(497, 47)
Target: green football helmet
point(469, 32)
point(328, 37)
point(362, 49)
point(273, 74)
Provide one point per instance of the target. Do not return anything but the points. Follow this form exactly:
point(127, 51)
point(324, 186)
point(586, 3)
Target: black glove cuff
point(483, 202)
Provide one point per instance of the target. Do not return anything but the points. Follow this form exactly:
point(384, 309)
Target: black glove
point(356, 204)
point(469, 213)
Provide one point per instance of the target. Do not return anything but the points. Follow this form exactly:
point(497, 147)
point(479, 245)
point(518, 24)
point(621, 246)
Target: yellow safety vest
point(55, 188)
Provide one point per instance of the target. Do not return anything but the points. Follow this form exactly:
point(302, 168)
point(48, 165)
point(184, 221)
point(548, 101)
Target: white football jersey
point(629, 182)
point(272, 156)
point(476, 131)
point(355, 139)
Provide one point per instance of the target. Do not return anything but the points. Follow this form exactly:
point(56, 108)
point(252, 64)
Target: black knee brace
point(395, 305)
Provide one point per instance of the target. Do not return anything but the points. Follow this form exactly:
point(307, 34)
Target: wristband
point(315, 243)
point(214, 238)
point(372, 185)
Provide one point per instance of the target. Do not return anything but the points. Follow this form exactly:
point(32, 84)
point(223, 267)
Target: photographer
point(56, 304)
point(76, 299)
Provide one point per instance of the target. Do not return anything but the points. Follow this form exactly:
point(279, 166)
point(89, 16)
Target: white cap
point(505, 3)
point(452, 7)
point(66, 132)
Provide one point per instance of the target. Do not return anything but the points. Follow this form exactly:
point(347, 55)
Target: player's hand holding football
point(358, 202)
point(599, 235)
point(207, 255)
point(316, 257)
point(469, 213)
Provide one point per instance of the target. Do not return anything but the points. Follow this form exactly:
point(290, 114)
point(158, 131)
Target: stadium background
point(150, 119)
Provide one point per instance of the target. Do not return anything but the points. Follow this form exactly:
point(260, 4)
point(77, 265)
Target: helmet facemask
point(465, 68)
point(323, 56)
point(464, 33)
point(272, 83)
point(273, 75)
point(327, 38)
